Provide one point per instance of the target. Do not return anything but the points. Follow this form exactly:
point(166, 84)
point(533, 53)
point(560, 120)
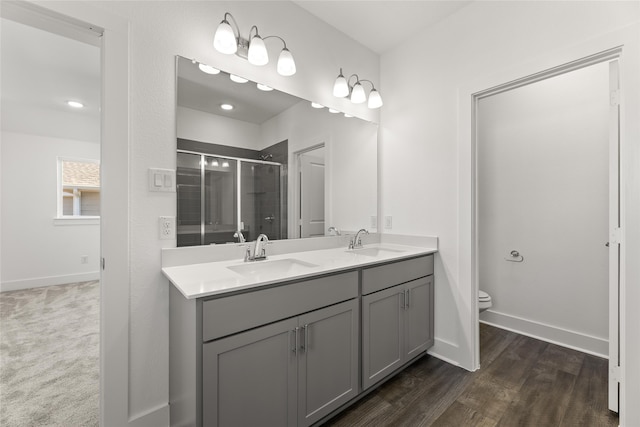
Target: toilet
point(484, 301)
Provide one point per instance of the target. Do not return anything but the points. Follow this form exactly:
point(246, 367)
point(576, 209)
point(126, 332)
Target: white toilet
point(484, 301)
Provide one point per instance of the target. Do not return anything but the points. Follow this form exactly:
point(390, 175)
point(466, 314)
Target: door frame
point(611, 57)
point(294, 229)
point(115, 173)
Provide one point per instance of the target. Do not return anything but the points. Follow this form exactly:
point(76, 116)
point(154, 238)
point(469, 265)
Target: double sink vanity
point(295, 338)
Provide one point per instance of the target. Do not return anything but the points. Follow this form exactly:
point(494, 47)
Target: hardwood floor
point(522, 382)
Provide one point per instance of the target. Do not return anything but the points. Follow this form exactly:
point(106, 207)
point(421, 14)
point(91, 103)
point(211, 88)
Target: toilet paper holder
point(514, 256)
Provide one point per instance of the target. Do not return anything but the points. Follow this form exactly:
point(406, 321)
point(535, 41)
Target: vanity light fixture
point(75, 104)
point(356, 93)
point(228, 40)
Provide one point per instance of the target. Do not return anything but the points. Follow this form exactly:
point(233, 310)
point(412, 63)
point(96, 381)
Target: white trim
point(76, 220)
point(549, 333)
point(155, 417)
point(445, 350)
point(39, 282)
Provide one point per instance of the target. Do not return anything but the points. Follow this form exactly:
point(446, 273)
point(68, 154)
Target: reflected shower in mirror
point(252, 160)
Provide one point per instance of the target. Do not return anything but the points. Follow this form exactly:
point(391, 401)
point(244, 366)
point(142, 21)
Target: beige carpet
point(49, 356)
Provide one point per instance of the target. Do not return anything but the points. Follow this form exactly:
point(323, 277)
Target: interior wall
point(37, 250)
point(543, 190)
point(419, 136)
point(214, 129)
point(157, 32)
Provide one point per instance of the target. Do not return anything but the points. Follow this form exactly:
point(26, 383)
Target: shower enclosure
point(219, 196)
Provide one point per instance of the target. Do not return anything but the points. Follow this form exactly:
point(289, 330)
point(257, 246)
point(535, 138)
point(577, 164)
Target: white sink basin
point(272, 268)
point(374, 252)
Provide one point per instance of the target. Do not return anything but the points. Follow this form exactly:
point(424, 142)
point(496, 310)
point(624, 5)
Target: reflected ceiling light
point(208, 69)
point(225, 164)
point(342, 88)
point(227, 107)
point(347, 115)
point(316, 105)
point(237, 79)
point(331, 110)
point(228, 40)
point(214, 162)
point(75, 104)
point(264, 87)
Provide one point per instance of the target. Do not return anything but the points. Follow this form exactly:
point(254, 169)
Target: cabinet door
point(382, 332)
point(418, 316)
point(327, 360)
point(249, 379)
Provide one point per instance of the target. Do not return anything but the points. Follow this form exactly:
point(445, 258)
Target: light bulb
point(208, 69)
point(375, 100)
point(340, 87)
point(225, 39)
point(357, 94)
point(257, 51)
point(286, 64)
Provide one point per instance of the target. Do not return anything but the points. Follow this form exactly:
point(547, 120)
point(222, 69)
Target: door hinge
point(614, 373)
point(103, 263)
point(616, 236)
point(614, 97)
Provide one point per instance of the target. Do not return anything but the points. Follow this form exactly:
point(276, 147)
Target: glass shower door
point(261, 208)
point(220, 200)
point(189, 194)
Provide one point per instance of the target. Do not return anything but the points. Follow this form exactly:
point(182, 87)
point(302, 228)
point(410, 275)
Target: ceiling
point(381, 25)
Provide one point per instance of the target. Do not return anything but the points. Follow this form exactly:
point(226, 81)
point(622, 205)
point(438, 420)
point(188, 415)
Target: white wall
point(426, 128)
point(157, 32)
point(215, 129)
point(36, 250)
point(543, 190)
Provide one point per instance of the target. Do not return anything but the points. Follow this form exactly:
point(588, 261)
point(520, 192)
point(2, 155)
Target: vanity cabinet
point(293, 372)
point(397, 316)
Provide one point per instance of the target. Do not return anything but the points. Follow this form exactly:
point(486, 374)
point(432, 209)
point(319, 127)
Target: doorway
point(310, 186)
point(51, 256)
point(547, 191)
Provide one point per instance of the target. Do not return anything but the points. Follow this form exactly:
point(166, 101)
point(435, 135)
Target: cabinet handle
point(295, 346)
point(408, 298)
point(305, 343)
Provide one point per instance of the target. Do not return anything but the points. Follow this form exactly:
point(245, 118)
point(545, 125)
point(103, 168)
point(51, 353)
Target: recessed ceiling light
point(331, 110)
point(316, 105)
point(225, 164)
point(237, 79)
point(208, 69)
point(226, 107)
point(347, 115)
point(264, 87)
point(75, 104)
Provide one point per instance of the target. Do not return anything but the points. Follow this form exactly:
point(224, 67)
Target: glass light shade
point(340, 87)
point(264, 87)
point(375, 100)
point(257, 51)
point(208, 69)
point(237, 79)
point(357, 94)
point(286, 64)
point(225, 39)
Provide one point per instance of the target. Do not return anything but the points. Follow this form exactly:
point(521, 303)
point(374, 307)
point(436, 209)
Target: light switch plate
point(162, 180)
point(388, 222)
point(374, 222)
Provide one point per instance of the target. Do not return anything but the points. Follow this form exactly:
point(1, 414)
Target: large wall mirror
point(252, 160)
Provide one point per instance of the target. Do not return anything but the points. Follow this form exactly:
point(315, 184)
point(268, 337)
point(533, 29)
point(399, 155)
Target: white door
point(311, 195)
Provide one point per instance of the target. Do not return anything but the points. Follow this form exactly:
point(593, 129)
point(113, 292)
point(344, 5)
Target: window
point(79, 188)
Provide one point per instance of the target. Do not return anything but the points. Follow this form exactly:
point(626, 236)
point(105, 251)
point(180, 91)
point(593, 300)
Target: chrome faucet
point(334, 231)
point(356, 242)
point(238, 235)
point(259, 252)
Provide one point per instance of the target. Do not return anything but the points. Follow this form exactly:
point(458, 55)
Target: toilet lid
point(483, 296)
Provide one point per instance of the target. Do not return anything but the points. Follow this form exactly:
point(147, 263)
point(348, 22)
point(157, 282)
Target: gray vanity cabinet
point(397, 321)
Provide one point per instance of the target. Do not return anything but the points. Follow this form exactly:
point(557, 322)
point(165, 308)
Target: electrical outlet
point(84, 259)
point(388, 222)
point(374, 222)
point(167, 227)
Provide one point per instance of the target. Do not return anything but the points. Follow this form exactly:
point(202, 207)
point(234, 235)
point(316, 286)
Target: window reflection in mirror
point(272, 145)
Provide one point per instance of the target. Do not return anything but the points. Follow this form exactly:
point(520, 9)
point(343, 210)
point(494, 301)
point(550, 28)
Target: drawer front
point(385, 276)
point(228, 315)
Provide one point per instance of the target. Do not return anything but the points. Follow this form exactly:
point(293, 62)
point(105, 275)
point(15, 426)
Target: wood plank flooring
point(522, 382)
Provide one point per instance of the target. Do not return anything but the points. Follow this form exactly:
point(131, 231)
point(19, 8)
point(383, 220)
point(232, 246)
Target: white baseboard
point(38, 282)
point(553, 334)
point(157, 417)
point(445, 351)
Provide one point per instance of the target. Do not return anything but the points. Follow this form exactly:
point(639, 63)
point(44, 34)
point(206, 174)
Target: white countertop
point(214, 278)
